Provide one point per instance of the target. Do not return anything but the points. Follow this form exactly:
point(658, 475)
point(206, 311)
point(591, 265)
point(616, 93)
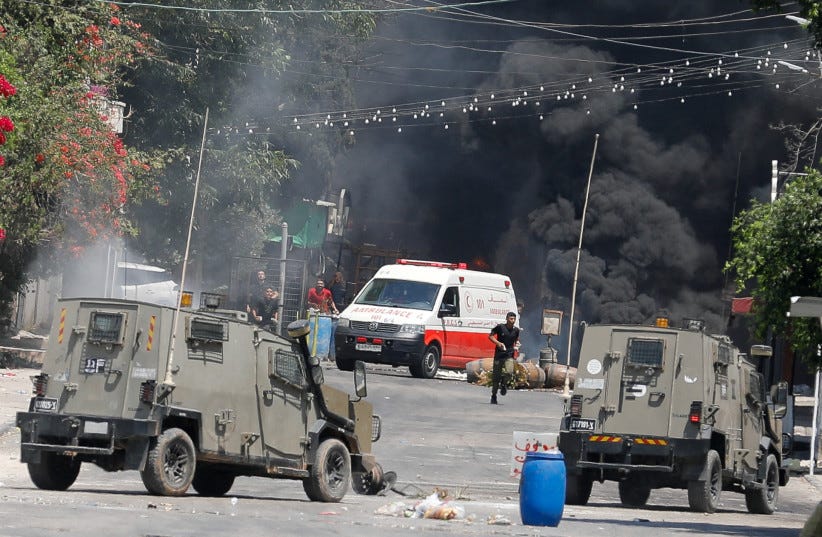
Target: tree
point(67, 177)
point(250, 69)
point(778, 253)
point(809, 10)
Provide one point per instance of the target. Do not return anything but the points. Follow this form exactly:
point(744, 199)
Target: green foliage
point(249, 70)
point(808, 9)
point(778, 250)
point(67, 177)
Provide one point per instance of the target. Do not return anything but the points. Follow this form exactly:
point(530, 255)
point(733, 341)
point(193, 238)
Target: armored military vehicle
point(655, 406)
point(230, 400)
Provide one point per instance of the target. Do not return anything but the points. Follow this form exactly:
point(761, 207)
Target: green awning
point(306, 225)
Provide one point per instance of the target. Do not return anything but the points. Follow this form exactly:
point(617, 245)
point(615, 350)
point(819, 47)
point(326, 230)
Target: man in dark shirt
point(504, 336)
point(266, 311)
point(337, 288)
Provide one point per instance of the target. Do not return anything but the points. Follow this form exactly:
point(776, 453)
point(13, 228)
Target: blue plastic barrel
point(542, 489)
point(319, 339)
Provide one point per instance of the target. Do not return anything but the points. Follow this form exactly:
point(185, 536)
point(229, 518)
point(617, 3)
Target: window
point(285, 365)
point(105, 327)
point(207, 329)
point(646, 352)
point(724, 355)
point(400, 294)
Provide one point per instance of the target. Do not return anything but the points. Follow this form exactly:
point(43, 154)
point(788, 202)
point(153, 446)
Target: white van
point(145, 283)
point(425, 315)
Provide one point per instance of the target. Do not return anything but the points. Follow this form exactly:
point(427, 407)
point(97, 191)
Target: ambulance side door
point(449, 314)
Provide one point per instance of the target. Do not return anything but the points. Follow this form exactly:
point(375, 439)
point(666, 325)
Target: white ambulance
point(423, 314)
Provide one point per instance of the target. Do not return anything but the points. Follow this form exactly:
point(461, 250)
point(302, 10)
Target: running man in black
point(504, 336)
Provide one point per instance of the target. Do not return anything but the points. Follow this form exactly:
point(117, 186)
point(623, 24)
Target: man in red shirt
point(319, 298)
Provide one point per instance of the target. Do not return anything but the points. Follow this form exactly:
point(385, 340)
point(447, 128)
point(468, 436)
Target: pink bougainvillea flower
point(6, 124)
point(2, 160)
point(115, 21)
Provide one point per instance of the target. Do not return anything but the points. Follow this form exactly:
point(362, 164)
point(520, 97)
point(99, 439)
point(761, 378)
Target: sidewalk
point(15, 392)
point(815, 480)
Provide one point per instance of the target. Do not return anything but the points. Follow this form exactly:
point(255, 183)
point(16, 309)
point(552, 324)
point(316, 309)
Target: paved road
point(440, 433)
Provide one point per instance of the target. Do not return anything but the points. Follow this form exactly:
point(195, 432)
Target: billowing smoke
point(508, 187)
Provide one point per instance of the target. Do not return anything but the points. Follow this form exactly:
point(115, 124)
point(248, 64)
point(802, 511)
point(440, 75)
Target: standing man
point(320, 299)
point(256, 291)
point(337, 288)
point(267, 310)
point(504, 336)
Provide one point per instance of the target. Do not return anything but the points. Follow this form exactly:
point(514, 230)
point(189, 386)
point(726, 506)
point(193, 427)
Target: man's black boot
point(494, 399)
point(503, 390)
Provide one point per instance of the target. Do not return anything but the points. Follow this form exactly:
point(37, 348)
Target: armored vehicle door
point(98, 346)
point(639, 382)
point(753, 404)
point(283, 402)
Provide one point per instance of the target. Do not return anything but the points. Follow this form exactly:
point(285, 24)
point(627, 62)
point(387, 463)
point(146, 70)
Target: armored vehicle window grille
point(756, 386)
point(724, 355)
point(106, 327)
point(646, 352)
point(386, 328)
point(287, 366)
point(208, 330)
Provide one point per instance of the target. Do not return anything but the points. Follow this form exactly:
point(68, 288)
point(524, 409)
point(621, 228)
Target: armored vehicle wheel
point(428, 364)
point(211, 481)
point(345, 364)
point(368, 482)
point(330, 474)
point(170, 465)
point(762, 501)
point(578, 489)
point(54, 472)
point(703, 496)
point(633, 492)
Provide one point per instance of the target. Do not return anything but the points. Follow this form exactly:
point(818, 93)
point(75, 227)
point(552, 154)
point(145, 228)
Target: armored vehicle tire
point(703, 496)
point(578, 489)
point(170, 465)
point(428, 363)
point(368, 482)
point(211, 481)
point(762, 501)
point(345, 364)
point(633, 492)
point(330, 475)
point(54, 472)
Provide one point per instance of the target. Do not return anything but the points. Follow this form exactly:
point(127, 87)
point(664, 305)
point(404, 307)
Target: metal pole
point(566, 390)
point(168, 383)
point(283, 254)
point(814, 424)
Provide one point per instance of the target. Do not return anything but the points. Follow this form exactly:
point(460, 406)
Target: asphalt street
point(438, 435)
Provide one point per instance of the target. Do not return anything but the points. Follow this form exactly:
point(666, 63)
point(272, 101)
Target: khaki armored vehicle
point(226, 400)
point(655, 407)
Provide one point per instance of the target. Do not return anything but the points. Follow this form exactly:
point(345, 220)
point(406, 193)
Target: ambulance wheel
point(345, 364)
point(428, 364)
point(578, 489)
point(762, 501)
point(171, 463)
point(703, 496)
point(330, 475)
point(54, 472)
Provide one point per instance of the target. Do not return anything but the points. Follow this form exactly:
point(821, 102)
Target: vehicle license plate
point(45, 404)
point(95, 427)
point(368, 347)
point(580, 424)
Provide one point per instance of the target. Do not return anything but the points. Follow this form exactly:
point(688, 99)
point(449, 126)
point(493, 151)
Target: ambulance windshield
point(400, 294)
